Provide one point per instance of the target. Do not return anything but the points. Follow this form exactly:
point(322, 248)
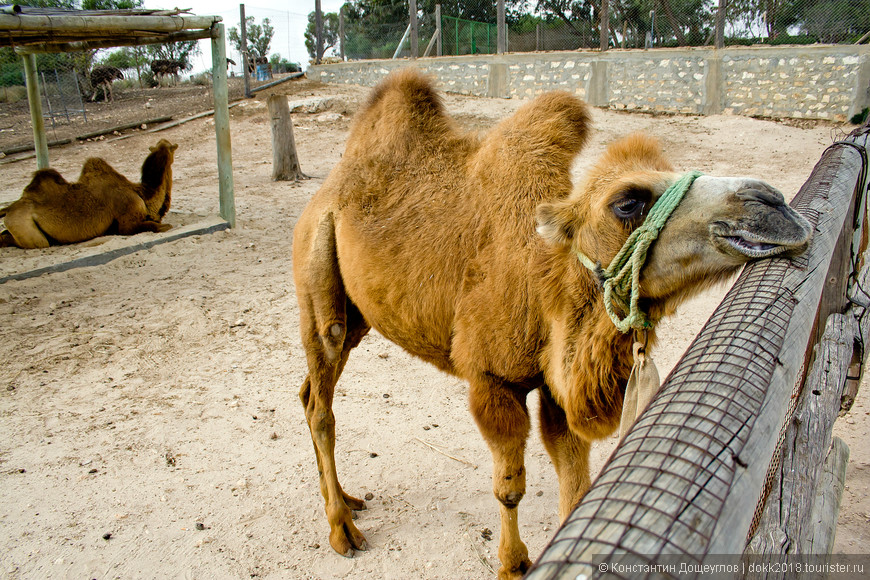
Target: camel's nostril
point(762, 193)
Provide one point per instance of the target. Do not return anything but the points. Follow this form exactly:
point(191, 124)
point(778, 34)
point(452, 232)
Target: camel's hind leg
point(331, 326)
point(22, 226)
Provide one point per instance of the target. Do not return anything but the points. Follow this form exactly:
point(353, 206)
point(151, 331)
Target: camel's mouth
point(751, 246)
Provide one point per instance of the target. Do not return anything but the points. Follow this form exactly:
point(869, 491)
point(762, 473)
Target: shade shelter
point(32, 30)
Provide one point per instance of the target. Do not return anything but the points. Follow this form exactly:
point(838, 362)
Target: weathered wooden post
point(222, 125)
point(438, 45)
point(412, 39)
point(318, 32)
point(285, 161)
point(40, 142)
point(245, 56)
point(501, 39)
point(341, 33)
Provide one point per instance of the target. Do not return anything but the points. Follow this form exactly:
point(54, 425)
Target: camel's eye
point(629, 208)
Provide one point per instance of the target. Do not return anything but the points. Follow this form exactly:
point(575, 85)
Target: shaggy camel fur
point(462, 250)
point(102, 201)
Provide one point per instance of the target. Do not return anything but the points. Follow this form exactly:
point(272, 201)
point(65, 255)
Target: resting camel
point(463, 250)
point(54, 211)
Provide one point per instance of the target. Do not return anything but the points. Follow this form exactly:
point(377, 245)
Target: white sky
point(289, 19)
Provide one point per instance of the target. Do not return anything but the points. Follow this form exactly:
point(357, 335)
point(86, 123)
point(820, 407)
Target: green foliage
point(330, 33)
point(111, 4)
point(281, 64)
point(68, 4)
point(860, 118)
point(180, 51)
point(259, 37)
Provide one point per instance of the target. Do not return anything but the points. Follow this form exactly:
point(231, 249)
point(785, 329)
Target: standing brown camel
point(54, 211)
point(464, 251)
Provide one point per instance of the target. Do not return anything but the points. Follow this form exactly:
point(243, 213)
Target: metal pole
point(318, 31)
point(414, 42)
point(604, 27)
point(245, 56)
point(40, 143)
point(501, 34)
point(438, 29)
point(222, 125)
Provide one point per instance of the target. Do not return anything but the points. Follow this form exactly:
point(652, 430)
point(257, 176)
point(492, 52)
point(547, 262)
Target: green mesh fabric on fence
point(459, 36)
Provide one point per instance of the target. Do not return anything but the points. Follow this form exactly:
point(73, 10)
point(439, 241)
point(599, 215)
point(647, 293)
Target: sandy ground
point(149, 411)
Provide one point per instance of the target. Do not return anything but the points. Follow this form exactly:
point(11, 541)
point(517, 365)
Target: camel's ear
point(557, 222)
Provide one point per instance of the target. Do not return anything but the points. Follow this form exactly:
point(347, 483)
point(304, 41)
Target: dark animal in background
point(162, 68)
point(103, 76)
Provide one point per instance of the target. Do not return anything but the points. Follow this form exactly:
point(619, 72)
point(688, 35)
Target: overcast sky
point(288, 18)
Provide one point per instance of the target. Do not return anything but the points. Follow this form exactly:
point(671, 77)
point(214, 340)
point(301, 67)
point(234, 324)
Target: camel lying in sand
point(102, 201)
point(463, 251)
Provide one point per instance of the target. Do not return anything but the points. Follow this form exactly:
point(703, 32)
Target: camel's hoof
point(347, 539)
point(515, 573)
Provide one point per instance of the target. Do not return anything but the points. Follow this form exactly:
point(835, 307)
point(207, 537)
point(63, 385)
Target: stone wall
point(821, 82)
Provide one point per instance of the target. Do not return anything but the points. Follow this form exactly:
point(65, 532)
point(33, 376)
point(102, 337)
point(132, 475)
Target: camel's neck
point(587, 360)
point(157, 184)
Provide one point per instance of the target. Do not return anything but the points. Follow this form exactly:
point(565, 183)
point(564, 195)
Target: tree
point(259, 37)
point(180, 51)
point(330, 33)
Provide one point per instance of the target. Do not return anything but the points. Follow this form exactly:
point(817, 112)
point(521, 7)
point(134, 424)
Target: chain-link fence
point(375, 29)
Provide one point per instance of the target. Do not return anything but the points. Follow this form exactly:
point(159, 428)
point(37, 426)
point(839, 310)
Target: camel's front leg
point(570, 454)
point(503, 419)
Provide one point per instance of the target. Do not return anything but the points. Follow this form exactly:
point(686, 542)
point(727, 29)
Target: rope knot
point(621, 279)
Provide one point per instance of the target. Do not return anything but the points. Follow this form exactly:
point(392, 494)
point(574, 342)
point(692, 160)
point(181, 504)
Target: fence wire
point(374, 29)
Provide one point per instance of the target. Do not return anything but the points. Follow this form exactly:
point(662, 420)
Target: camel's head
point(165, 145)
point(721, 223)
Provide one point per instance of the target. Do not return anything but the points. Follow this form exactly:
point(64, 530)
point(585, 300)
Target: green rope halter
point(621, 279)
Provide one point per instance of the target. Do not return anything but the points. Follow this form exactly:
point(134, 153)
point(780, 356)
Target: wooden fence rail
point(686, 480)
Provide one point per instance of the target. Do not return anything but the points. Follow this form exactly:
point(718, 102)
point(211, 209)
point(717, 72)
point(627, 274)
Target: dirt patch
point(149, 405)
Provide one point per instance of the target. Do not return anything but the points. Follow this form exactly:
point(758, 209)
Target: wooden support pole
point(40, 143)
point(413, 39)
point(318, 32)
point(341, 33)
point(97, 44)
point(826, 507)
point(246, 57)
point(438, 45)
point(71, 24)
point(604, 26)
point(720, 25)
point(501, 33)
point(285, 161)
point(786, 523)
point(222, 126)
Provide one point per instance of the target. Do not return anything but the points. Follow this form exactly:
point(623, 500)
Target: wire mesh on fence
point(374, 30)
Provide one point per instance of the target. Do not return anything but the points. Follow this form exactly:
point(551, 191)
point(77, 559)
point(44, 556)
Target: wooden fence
point(730, 455)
